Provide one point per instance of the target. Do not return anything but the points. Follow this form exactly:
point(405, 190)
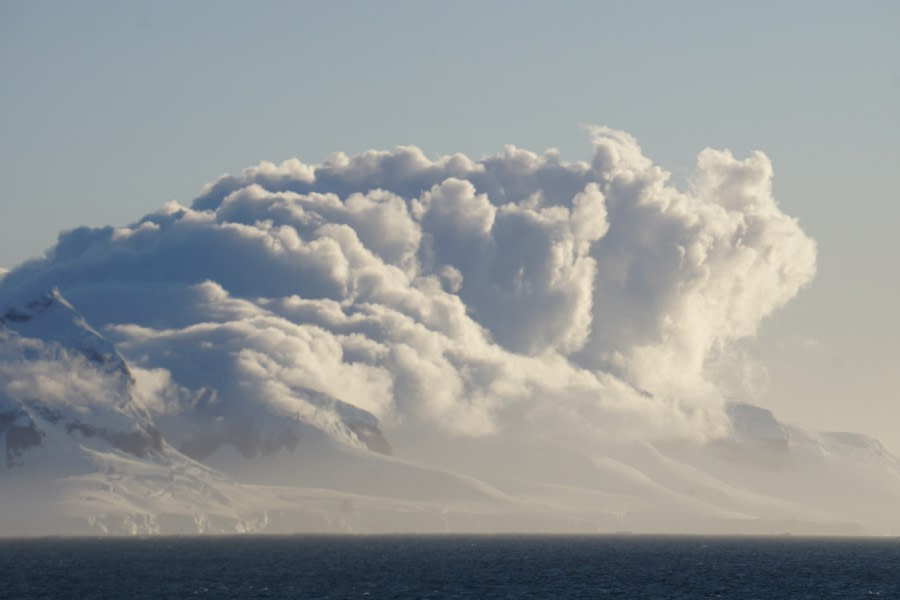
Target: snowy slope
point(84, 456)
point(90, 441)
point(848, 475)
point(59, 375)
point(80, 453)
point(50, 318)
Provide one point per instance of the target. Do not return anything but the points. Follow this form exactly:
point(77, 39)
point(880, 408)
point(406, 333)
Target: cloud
point(463, 296)
point(59, 377)
point(46, 386)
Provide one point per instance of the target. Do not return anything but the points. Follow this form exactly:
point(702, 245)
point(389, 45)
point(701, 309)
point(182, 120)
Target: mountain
point(50, 318)
point(83, 455)
point(59, 330)
point(60, 374)
point(807, 483)
point(93, 443)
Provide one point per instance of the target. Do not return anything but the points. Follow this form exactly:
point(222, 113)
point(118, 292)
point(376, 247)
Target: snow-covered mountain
point(83, 454)
point(50, 318)
point(57, 330)
point(393, 342)
point(80, 452)
point(61, 375)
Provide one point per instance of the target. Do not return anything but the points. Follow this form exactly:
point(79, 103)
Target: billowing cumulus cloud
point(464, 296)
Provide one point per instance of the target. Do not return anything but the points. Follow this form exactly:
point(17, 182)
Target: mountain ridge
point(93, 448)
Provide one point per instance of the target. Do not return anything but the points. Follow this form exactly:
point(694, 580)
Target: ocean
point(451, 566)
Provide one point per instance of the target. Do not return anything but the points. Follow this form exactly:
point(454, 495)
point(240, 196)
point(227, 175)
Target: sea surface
point(621, 566)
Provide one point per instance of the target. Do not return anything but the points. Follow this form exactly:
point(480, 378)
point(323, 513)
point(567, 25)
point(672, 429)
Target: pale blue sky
point(108, 109)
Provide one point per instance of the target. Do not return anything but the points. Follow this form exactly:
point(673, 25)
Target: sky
point(109, 109)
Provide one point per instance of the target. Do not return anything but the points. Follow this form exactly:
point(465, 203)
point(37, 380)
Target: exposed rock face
point(249, 443)
point(74, 412)
point(371, 436)
point(20, 434)
point(50, 318)
point(758, 428)
point(757, 438)
point(82, 455)
point(60, 374)
point(139, 443)
point(47, 333)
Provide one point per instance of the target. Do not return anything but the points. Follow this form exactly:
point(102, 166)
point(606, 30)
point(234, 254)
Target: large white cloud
point(469, 296)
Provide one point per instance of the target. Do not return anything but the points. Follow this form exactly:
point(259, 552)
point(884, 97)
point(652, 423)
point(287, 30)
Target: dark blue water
point(450, 567)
